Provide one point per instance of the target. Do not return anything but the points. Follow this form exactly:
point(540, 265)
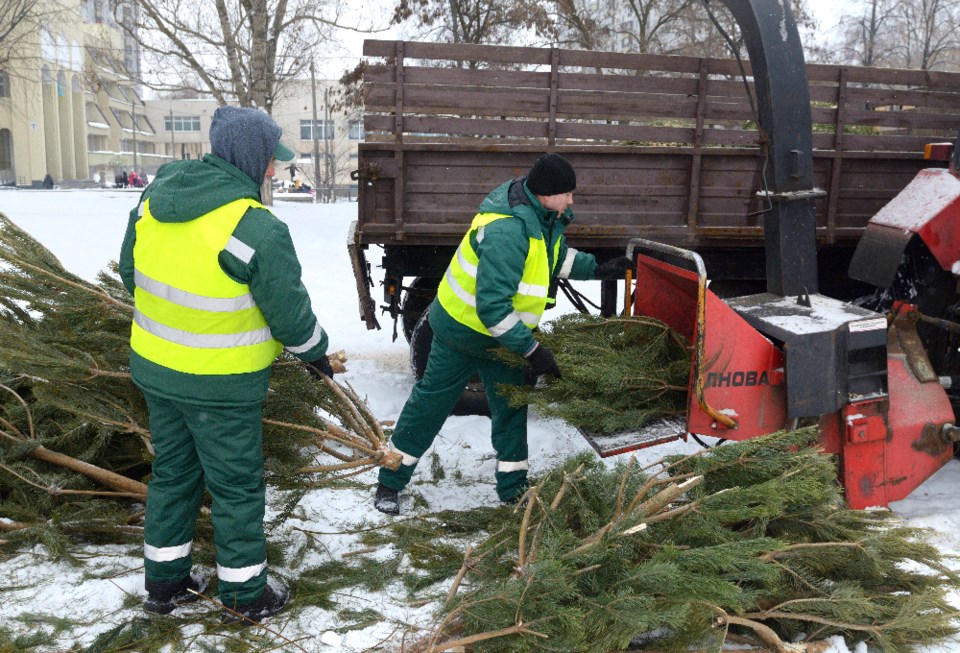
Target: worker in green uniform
point(492, 296)
point(217, 295)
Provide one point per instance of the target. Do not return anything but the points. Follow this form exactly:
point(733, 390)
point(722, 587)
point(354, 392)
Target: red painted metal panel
point(879, 443)
point(929, 206)
point(742, 370)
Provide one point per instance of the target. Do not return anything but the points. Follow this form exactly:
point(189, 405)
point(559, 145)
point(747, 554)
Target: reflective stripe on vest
point(458, 288)
point(189, 316)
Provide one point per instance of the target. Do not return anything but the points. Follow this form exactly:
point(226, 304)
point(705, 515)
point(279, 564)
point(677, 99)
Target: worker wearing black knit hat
point(551, 174)
point(492, 296)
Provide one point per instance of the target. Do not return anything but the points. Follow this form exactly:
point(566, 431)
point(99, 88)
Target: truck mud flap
point(361, 274)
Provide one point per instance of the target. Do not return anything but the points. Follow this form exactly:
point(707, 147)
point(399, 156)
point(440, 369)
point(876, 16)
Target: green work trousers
point(222, 448)
point(434, 396)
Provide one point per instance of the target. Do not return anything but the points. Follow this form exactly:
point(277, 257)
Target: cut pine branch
point(753, 532)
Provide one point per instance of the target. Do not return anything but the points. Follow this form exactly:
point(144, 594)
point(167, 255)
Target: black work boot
point(271, 601)
point(519, 501)
point(387, 500)
point(164, 596)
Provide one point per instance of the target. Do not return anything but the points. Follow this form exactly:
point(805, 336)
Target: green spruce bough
point(744, 543)
point(74, 434)
point(618, 373)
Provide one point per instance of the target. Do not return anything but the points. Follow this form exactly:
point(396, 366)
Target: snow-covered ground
point(85, 228)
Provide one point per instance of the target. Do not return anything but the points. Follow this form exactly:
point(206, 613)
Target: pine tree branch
point(98, 292)
point(618, 510)
point(125, 427)
point(118, 482)
point(764, 632)
point(98, 474)
point(666, 496)
point(568, 479)
point(32, 433)
point(671, 514)
point(786, 551)
point(461, 574)
point(517, 629)
point(524, 527)
point(874, 629)
point(362, 462)
point(55, 491)
point(360, 424)
point(538, 532)
point(96, 372)
point(651, 483)
point(334, 433)
point(72, 527)
point(373, 431)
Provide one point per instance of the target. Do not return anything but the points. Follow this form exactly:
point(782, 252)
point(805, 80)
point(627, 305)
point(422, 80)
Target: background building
point(183, 127)
point(71, 106)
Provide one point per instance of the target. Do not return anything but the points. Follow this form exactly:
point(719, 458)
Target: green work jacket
point(502, 254)
point(261, 256)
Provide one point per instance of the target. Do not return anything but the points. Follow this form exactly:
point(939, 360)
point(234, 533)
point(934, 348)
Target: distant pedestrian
point(133, 179)
point(48, 181)
point(292, 169)
point(123, 179)
point(143, 177)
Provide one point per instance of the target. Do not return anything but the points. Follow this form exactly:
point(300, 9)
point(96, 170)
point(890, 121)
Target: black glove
point(320, 367)
point(542, 362)
point(613, 269)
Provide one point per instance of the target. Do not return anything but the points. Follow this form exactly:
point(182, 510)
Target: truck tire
point(416, 300)
point(473, 401)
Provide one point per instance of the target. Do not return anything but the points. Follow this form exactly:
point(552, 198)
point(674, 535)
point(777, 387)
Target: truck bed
point(665, 147)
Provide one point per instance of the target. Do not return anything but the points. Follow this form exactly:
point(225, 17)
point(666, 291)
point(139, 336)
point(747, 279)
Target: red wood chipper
point(872, 381)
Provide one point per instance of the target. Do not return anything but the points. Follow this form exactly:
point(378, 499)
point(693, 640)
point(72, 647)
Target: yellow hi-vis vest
point(458, 288)
point(189, 316)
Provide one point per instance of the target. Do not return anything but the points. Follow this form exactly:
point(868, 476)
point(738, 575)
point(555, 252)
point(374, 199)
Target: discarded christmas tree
point(618, 373)
point(73, 427)
point(747, 542)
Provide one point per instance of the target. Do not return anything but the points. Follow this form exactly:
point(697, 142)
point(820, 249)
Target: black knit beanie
point(551, 174)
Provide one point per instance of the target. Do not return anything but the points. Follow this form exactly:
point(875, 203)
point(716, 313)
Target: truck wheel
point(416, 300)
point(473, 401)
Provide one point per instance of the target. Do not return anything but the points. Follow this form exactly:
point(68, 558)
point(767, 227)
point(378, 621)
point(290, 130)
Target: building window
point(144, 125)
point(96, 143)
point(356, 130)
point(6, 150)
point(181, 123)
point(324, 130)
point(4, 84)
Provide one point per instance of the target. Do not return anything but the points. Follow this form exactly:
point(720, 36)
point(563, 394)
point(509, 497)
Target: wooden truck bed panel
point(664, 147)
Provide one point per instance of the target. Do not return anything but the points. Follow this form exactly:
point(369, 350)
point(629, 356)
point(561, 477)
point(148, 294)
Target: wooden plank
point(872, 98)
point(626, 106)
point(469, 100)
point(659, 84)
point(911, 119)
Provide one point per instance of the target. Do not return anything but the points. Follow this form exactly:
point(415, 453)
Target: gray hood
point(244, 138)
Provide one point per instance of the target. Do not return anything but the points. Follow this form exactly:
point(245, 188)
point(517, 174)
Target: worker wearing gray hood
point(247, 139)
point(217, 296)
